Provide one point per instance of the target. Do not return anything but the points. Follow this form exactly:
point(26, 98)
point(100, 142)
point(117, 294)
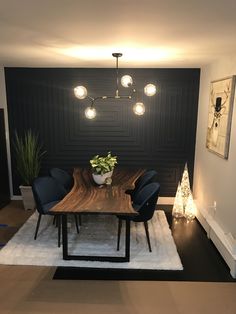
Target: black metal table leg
point(127, 240)
point(64, 237)
point(118, 259)
point(59, 230)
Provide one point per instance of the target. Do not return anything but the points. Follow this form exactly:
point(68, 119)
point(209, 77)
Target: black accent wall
point(42, 99)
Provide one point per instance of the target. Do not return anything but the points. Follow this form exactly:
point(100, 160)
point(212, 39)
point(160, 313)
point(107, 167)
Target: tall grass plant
point(29, 154)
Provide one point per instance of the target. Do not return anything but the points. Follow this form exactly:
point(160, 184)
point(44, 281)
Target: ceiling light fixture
point(127, 82)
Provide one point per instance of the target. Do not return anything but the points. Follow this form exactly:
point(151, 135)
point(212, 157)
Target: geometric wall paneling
point(163, 138)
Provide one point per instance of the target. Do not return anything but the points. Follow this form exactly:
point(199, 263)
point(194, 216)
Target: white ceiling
point(149, 33)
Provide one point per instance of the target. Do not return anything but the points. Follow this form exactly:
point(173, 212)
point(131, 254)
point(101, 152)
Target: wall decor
point(220, 115)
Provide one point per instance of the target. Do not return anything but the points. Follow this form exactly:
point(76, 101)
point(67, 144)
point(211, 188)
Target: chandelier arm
point(113, 97)
point(134, 93)
point(90, 98)
point(92, 101)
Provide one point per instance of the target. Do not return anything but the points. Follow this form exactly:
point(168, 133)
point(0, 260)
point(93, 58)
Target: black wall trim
point(164, 138)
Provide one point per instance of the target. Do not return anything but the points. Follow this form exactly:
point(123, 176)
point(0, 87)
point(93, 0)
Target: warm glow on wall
point(132, 54)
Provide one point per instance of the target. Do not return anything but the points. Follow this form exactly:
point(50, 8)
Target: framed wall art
point(220, 115)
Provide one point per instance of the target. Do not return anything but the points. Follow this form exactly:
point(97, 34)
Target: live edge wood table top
point(87, 197)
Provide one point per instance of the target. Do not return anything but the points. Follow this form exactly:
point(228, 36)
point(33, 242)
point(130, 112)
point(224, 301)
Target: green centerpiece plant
point(102, 167)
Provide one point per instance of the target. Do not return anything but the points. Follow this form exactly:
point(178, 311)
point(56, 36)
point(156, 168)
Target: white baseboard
point(16, 198)
point(225, 243)
point(165, 201)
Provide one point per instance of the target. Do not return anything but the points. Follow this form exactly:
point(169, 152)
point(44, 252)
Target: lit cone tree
point(178, 208)
point(185, 186)
point(190, 209)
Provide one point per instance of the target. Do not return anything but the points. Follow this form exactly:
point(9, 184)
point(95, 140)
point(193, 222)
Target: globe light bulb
point(80, 92)
point(90, 113)
point(139, 108)
point(150, 89)
point(126, 81)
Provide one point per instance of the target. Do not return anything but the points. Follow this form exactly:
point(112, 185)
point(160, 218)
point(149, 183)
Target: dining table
point(86, 197)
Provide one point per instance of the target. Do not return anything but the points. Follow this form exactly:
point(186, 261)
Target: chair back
point(46, 190)
point(146, 178)
point(146, 201)
point(63, 178)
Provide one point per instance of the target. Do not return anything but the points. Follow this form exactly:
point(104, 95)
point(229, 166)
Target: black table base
point(116, 259)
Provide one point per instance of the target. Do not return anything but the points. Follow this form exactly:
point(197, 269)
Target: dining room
point(132, 177)
point(162, 139)
point(69, 140)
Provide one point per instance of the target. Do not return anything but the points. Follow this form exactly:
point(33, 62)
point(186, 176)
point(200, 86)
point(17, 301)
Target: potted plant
point(28, 153)
point(103, 167)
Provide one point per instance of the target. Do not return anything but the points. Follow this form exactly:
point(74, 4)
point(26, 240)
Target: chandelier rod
point(117, 55)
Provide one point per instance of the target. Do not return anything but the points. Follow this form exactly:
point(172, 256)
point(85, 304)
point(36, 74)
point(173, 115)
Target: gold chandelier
point(127, 82)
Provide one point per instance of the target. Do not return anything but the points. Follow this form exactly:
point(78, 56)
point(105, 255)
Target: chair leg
point(80, 220)
point(147, 235)
point(37, 226)
point(54, 220)
point(76, 223)
point(119, 232)
point(59, 229)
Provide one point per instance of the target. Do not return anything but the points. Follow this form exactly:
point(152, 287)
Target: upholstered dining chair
point(146, 178)
point(63, 178)
point(145, 205)
point(66, 181)
point(47, 193)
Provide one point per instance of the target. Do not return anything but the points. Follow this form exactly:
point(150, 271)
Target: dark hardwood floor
point(200, 259)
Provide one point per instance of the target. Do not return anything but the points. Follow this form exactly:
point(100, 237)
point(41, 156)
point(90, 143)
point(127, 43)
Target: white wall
point(214, 177)
point(3, 104)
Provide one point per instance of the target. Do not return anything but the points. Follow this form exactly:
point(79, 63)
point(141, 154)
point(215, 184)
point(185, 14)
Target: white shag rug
point(98, 236)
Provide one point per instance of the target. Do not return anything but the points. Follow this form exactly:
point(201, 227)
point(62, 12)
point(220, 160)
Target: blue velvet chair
point(63, 178)
point(146, 178)
point(47, 193)
point(145, 205)
point(66, 181)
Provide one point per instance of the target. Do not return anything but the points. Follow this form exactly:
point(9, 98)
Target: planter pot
point(27, 197)
point(101, 178)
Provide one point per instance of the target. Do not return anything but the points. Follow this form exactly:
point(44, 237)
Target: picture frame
point(220, 115)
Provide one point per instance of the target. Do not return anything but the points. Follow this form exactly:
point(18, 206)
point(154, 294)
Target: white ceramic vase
point(101, 178)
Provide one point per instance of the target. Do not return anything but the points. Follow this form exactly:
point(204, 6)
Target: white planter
point(27, 197)
point(100, 179)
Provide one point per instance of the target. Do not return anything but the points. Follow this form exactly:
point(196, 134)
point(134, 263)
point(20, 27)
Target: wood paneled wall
point(164, 138)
